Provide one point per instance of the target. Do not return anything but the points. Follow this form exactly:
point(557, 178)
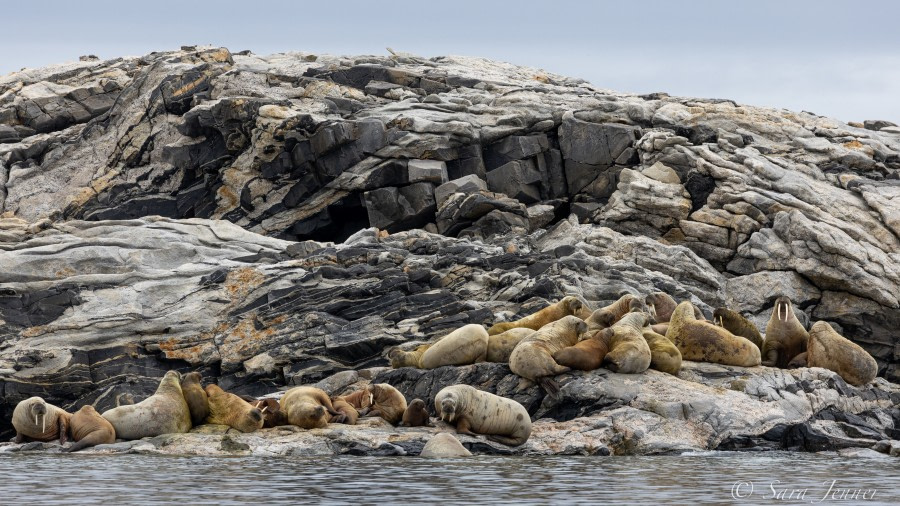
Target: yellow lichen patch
point(542, 78)
point(243, 339)
point(189, 86)
point(240, 282)
point(65, 272)
point(854, 144)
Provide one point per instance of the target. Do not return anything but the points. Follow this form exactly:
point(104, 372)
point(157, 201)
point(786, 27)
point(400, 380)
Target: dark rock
point(516, 179)
point(395, 209)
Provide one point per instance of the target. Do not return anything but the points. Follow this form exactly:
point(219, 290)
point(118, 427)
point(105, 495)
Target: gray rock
point(516, 179)
point(877, 124)
point(466, 184)
point(431, 171)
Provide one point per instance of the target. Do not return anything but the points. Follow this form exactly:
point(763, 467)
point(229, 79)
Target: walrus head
point(783, 308)
point(39, 412)
point(573, 304)
point(637, 305)
point(448, 407)
point(191, 378)
point(417, 404)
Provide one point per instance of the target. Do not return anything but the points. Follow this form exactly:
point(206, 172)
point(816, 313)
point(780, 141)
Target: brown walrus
point(465, 345)
point(226, 408)
point(798, 361)
point(37, 420)
point(476, 412)
point(164, 412)
point(628, 350)
point(533, 357)
point(661, 306)
point(88, 428)
point(701, 341)
point(500, 346)
point(585, 355)
point(664, 355)
point(785, 336)
point(570, 305)
point(350, 414)
point(607, 316)
point(387, 402)
point(360, 400)
point(308, 407)
point(195, 396)
point(273, 415)
point(832, 351)
point(416, 415)
point(734, 322)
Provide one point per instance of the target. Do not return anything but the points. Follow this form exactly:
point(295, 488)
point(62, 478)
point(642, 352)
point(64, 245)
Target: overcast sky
point(836, 58)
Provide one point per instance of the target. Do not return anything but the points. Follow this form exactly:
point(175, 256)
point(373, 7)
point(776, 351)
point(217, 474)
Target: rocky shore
point(282, 220)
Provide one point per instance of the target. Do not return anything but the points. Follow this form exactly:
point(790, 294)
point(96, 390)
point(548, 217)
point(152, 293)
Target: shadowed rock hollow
point(203, 210)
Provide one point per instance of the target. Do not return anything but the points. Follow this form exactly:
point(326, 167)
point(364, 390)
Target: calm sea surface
point(708, 478)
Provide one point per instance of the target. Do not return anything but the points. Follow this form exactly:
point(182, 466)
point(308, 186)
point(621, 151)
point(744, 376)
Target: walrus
point(416, 415)
point(500, 346)
point(228, 409)
point(37, 420)
point(308, 407)
point(585, 355)
point(465, 345)
point(661, 306)
point(533, 357)
point(476, 412)
point(350, 414)
point(785, 336)
point(660, 328)
point(628, 350)
point(273, 415)
point(195, 396)
point(570, 305)
point(798, 361)
point(832, 351)
point(400, 358)
point(88, 428)
point(702, 341)
point(387, 402)
point(164, 412)
point(664, 355)
point(734, 322)
point(607, 316)
point(360, 400)
point(444, 444)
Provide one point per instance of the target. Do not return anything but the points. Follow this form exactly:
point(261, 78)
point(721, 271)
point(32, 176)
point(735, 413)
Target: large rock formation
point(496, 189)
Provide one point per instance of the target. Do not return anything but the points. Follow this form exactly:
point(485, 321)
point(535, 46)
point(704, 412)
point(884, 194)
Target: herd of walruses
point(630, 335)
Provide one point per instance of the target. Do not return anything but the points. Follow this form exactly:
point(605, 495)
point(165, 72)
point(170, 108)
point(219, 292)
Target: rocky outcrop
point(597, 413)
point(203, 210)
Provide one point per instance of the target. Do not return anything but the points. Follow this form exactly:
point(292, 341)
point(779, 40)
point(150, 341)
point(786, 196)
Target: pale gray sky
point(836, 58)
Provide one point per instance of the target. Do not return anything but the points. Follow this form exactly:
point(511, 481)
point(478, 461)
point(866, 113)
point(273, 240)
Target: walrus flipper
point(508, 441)
point(550, 385)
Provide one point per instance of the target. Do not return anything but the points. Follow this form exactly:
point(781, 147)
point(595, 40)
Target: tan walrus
point(607, 316)
point(164, 412)
point(37, 420)
point(195, 396)
point(226, 408)
point(88, 428)
point(661, 305)
point(785, 336)
point(500, 346)
point(702, 341)
point(832, 351)
point(465, 345)
point(444, 444)
point(308, 407)
point(476, 412)
point(628, 350)
point(664, 355)
point(533, 357)
point(734, 322)
point(273, 415)
point(348, 414)
point(585, 355)
point(570, 305)
point(387, 402)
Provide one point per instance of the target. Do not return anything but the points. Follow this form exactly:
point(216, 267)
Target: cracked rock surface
point(203, 210)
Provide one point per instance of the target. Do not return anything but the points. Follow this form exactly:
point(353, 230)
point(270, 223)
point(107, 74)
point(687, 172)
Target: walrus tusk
point(779, 313)
point(43, 424)
point(264, 409)
point(371, 399)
